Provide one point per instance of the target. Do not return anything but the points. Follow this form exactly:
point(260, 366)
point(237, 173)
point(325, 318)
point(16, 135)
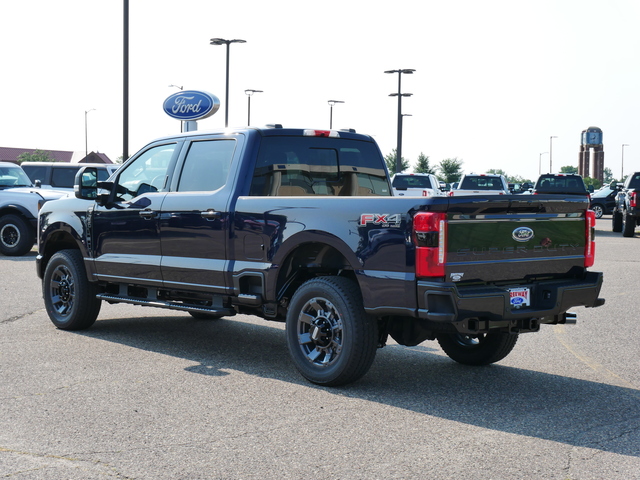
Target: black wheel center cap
point(320, 332)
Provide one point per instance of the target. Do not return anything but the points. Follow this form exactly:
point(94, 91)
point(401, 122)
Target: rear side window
point(293, 166)
point(206, 166)
point(63, 177)
point(634, 181)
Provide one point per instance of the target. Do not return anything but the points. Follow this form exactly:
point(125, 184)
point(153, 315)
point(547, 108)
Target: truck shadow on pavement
point(420, 379)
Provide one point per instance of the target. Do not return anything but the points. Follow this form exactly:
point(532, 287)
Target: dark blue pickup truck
point(300, 226)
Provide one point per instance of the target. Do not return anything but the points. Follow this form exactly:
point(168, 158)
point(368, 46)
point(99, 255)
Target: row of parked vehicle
point(426, 185)
point(24, 189)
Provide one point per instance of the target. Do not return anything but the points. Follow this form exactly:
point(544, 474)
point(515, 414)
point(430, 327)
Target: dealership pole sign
point(191, 105)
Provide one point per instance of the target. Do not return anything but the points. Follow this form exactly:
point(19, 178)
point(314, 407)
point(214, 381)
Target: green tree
point(36, 156)
point(569, 169)
point(497, 171)
point(390, 160)
point(608, 175)
point(423, 165)
point(592, 181)
point(450, 170)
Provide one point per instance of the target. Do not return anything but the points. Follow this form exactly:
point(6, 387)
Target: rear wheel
point(480, 349)
point(628, 225)
point(16, 235)
point(616, 221)
point(598, 209)
point(70, 299)
point(332, 341)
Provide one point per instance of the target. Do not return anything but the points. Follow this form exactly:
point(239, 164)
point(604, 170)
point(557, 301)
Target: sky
point(494, 80)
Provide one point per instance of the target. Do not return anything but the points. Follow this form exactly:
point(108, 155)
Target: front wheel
point(70, 299)
point(480, 349)
point(332, 341)
point(16, 235)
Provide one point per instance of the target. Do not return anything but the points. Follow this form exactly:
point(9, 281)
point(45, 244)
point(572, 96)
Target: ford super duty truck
point(626, 211)
point(299, 226)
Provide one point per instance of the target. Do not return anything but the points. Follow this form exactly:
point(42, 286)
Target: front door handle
point(147, 214)
point(210, 214)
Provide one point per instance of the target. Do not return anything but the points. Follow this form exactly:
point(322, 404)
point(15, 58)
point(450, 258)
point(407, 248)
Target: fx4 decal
point(380, 219)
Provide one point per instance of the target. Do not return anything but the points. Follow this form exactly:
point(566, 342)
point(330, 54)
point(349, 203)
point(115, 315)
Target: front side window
point(147, 173)
point(206, 167)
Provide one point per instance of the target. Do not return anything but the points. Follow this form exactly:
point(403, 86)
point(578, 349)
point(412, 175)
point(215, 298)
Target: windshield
point(13, 176)
point(411, 181)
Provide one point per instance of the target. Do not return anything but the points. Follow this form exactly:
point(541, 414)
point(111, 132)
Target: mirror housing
point(86, 186)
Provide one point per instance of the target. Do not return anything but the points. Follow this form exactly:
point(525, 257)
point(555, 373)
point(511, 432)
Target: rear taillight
point(430, 237)
point(590, 240)
point(632, 199)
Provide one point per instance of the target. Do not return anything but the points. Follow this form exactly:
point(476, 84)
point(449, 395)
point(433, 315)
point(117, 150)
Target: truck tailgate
point(511, 238)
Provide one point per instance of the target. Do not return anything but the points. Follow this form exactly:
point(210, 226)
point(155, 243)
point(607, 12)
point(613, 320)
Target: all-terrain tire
point(16, 235)
point(332, 341)
point(69, 297)
point(477, 349)
point(628, 225)
point(616, 221)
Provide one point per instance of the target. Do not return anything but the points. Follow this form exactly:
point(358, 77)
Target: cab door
point(195, 221)
point(126, 238)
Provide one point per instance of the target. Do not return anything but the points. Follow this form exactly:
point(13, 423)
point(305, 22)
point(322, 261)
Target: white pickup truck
point(20, 202)
point(416, 185)
point(481, 184)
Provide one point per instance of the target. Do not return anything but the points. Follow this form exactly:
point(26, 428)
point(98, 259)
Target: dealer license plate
point(519, 297)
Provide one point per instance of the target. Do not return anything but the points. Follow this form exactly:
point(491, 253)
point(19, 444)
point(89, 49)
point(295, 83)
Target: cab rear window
point(302, 166)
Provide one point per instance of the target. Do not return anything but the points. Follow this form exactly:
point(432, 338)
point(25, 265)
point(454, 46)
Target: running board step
point(169, 305)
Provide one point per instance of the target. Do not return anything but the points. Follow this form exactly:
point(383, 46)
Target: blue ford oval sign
point(522, 234)
point(191, 105)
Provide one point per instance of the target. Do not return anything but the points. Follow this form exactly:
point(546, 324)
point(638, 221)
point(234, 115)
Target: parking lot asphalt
point(154, 394)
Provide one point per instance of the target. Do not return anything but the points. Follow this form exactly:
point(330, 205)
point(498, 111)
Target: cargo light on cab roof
point(321, 133)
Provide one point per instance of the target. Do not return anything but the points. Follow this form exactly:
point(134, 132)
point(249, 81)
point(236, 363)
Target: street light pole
point(222, 41)
point(540, 163)
point(622, 164)
point(86, 145)
point(400, 95)
point(551, 153)
point(331, 104)
point(250, 92)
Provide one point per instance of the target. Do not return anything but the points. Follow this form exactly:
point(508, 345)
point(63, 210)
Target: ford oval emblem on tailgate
point(522, 234)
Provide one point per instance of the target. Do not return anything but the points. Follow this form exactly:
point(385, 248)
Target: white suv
point(20, 202)
point(415, 185)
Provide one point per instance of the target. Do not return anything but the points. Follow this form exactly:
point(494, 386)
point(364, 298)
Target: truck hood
point(45, 193)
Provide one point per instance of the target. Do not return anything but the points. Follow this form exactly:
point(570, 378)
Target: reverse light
point(430, 237)
point(590, 241)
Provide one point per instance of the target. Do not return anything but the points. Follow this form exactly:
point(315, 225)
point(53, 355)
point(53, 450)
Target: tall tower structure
point(591, 142)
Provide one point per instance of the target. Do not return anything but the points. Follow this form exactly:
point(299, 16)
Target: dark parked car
point(603, 201)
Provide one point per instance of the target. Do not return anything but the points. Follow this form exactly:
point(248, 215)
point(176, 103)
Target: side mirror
point(86, 185)
point(591, 189)
point(38, 183)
